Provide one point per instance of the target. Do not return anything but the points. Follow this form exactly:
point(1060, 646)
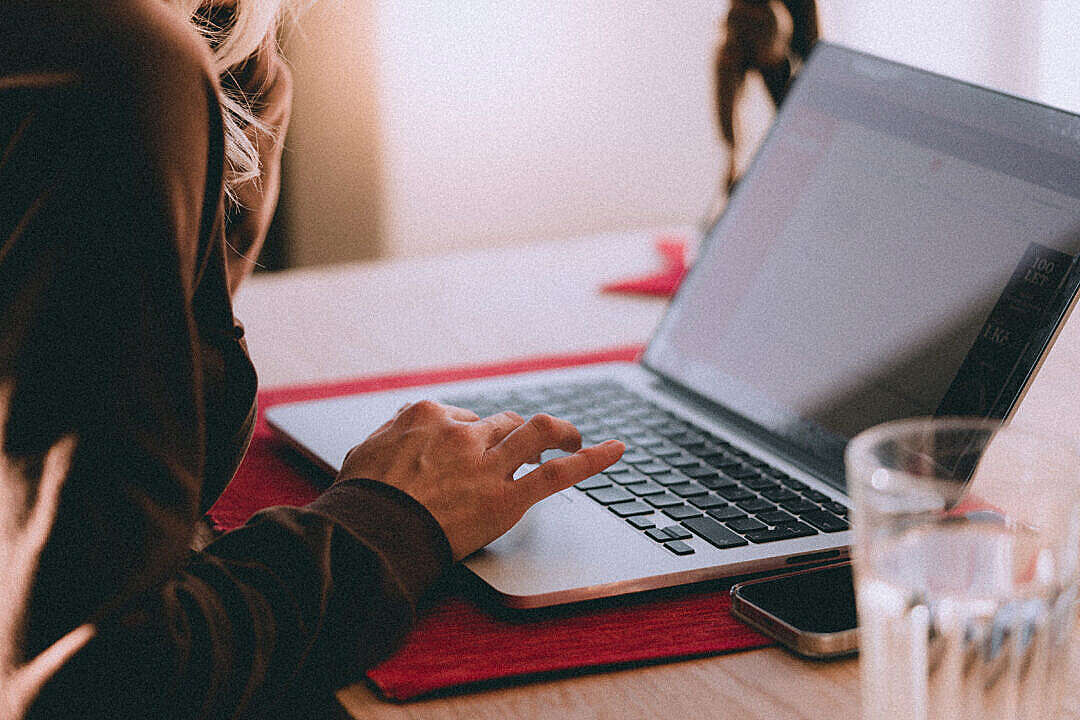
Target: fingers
point(54, 472)
point(496, 427)
point(540, 433)
point(385, 425)
point(461, 414)
point(561, 473)
point(392, 420)
point(35, 674)
point(428, 410)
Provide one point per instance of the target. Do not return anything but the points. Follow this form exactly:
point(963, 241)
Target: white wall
point(427, 125)
point(505, 122)
point(499, 122)
point(1059, 71)
point(989, 42)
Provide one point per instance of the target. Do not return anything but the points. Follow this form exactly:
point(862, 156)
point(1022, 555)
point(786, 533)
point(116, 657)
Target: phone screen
point(819, 601)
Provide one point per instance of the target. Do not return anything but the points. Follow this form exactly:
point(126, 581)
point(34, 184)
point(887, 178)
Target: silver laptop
point(902, 245)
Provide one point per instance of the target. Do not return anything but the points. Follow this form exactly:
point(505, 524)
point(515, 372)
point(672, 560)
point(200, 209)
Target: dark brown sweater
point(116, 325)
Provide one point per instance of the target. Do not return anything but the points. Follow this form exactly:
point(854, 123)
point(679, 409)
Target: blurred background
point(423, 127)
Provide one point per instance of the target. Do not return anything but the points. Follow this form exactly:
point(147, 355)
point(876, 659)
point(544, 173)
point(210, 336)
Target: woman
point(140, 143)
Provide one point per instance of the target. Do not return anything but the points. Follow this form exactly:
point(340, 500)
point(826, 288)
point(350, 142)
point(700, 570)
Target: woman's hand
point(461, 467)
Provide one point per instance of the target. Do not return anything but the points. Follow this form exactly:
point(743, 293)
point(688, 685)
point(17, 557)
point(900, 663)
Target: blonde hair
point(248, 24)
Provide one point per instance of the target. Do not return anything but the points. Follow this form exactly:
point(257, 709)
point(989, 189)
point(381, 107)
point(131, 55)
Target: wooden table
point(311, 325)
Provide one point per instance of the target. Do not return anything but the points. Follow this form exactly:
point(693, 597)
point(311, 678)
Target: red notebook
point(458, 643)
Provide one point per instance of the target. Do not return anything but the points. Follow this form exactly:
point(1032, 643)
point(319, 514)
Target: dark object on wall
point(770, 37)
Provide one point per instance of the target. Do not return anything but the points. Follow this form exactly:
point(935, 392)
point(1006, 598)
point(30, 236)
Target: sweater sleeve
point(293, 603)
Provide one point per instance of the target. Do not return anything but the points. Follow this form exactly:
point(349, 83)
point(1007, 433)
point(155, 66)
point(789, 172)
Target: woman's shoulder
point(140, 59)
point(145, 41)
point(137, 94)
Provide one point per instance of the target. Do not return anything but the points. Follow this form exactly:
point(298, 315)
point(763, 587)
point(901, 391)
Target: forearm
point(295, 597)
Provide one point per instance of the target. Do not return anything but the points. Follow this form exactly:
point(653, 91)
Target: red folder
point(457, 643)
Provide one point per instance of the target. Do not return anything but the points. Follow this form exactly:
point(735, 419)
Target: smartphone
point(812, 612)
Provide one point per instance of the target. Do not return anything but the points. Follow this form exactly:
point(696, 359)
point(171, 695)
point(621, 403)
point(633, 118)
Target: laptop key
point(800, 529)
point(589, 428)
point(799, 506)
point(721, 462)
point(728, 512)
point(626, 430)
point(658, 534)
point(704, 449)
point(818, 497)
point(836, 508)
point(683, 461)
point(715, 483)
point(641, 522)
point(629, 478)
point(618, 467)
point(679, 547)
point(665, 451)
point(713, 532)
point(792, 483)
point(636, 457)
point(778, 494)
point(682, 512)
point(648, 488)
point(824, 521)
point(669, 533)
point(753, 505)
point(653, 467)
point(780, 532)
point(687, 489)
point(698, 447)
point(678, 532)
point(672, 477)
point(688, 438)
point(628, 509)
point(700, 472)
point(775, 517)
point(609, 495)
point(594, 483)
point(706, 502)
point(742, 473)
point(759, 483)
point(672, 428)
point(734, 493)
point(746, 524)
point(664, 501)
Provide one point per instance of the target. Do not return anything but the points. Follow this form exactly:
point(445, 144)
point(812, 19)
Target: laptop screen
point(902, 245)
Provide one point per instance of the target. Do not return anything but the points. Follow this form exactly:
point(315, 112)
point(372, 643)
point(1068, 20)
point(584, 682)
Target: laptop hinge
point(740, 427)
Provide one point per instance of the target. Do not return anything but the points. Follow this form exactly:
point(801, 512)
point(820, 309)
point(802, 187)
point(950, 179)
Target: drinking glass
point(966, 541)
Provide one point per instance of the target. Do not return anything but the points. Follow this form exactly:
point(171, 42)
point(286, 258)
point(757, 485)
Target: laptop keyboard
point(675, 480)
